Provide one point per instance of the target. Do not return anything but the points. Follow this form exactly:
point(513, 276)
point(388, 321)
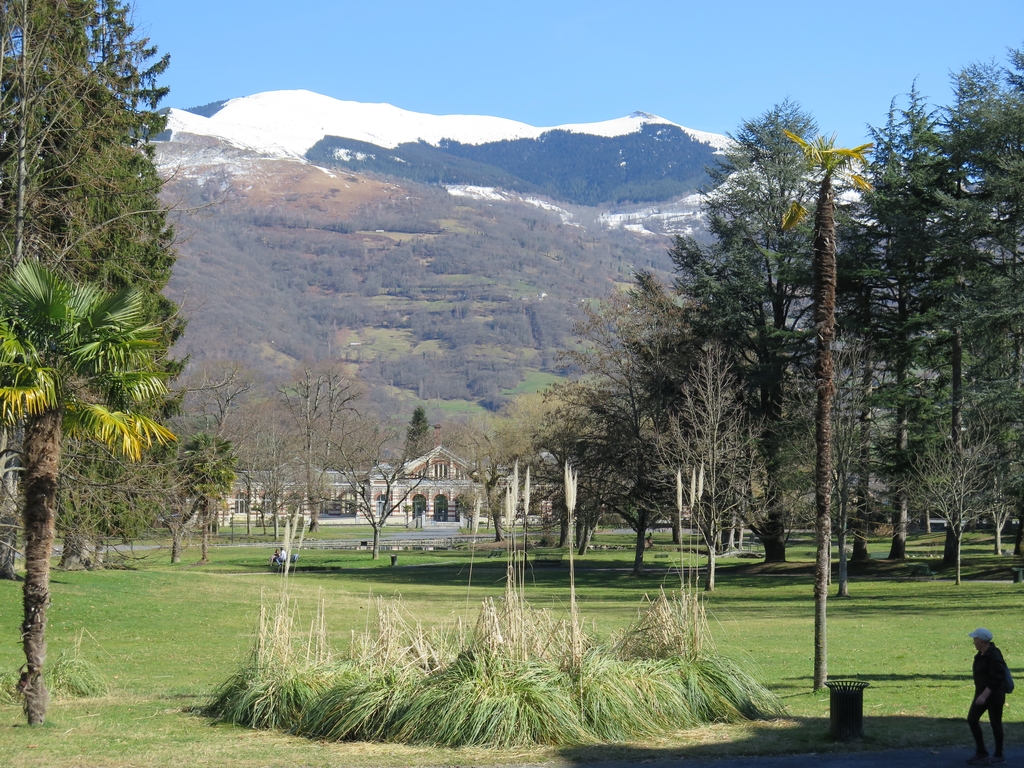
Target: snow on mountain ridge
point(288, 123)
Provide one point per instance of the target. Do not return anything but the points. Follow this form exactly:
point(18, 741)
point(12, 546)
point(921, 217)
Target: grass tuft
point(491, 700)
point(74, 677)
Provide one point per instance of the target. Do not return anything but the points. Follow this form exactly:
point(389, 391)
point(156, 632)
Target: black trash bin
point(846, 708)
point(394, 559)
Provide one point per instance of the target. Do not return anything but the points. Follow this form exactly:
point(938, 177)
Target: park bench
point(497, 553)
point(547, 558)
point(661, 556)
point(920, 569)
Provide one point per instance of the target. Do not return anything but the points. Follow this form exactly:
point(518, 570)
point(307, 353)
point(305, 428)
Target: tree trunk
point(1018, 540)
point(176, 536)
point(824, 325)
point(499, 528)
point(901, 518)
point(584, 540)
point(9, 524)
point(204, 559)
point(862, 510)
point(998, 524)
point(8, 540)
point(772, 532)
point(844, 573)
point(563, 527)
point(314, 515)
point(951, 547)
point(376, 542)
point(638, 552)
point(774, 548)
point(642, 520)
point(42, 462)
point(709, 582)
point(74, 555)
point(958, 560)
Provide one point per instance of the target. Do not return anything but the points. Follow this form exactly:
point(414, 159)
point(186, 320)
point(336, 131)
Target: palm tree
point(208, 464)
point(830, 164)
point(74, 361)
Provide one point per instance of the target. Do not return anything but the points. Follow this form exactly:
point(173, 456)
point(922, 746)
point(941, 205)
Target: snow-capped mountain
point(436, 256)
point(289, 123)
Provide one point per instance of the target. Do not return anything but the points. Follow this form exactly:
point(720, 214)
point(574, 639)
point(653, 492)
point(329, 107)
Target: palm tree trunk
point(42, 460)
point(206, 532)
point(824, 325)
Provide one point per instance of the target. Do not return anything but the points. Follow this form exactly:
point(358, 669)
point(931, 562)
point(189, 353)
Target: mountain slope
point(427, 294)
point(449, 271)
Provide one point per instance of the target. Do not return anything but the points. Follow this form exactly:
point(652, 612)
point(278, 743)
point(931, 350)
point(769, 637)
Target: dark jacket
point(989, 671)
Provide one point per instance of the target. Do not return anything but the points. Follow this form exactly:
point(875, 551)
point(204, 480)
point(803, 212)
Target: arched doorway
point(419, 505)
point(441, 509)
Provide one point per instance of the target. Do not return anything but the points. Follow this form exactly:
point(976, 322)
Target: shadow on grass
point(777, 737)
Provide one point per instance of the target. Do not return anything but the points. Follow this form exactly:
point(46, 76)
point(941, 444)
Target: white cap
point(982, 634)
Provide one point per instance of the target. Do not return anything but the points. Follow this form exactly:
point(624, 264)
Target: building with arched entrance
point(435, 490)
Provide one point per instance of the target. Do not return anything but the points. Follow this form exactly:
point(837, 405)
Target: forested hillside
point(426, 294)
point(656, 163)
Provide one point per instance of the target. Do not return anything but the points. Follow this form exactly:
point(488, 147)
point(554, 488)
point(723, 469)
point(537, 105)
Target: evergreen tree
point(899, 215)
point(417, 436)
point(78, 188)
point(749, 289)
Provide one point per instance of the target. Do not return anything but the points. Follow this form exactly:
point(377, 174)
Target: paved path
point(944, 757)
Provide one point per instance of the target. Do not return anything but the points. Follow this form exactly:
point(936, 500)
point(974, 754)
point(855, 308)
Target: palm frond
point(119, 310)
point(127, 433)
point(27, 391)
point(37, 293)
point(133, 349)
point(794, 215)
point(860, 182)
point(798, 140)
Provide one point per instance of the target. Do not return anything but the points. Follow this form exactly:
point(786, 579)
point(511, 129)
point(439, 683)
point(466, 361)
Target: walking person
point(989, 694)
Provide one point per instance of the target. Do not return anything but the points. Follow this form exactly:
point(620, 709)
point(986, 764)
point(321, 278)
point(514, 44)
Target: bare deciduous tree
point(710, 437)
point(371, 459)
point(952, 480)
point(318, 401)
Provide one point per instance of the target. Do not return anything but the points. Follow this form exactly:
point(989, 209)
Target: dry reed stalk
point(318, 651)
point(667, 628)
point(393, 644)
point(576, 640)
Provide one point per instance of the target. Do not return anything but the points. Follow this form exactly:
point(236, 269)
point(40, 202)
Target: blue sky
point(705, 65)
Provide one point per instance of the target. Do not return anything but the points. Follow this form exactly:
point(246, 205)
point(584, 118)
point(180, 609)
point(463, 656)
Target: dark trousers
point(994, 705)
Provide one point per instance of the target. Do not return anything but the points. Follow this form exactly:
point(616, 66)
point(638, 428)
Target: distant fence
point(362, 544)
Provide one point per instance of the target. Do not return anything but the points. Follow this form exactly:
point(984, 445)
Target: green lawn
point(165, 635)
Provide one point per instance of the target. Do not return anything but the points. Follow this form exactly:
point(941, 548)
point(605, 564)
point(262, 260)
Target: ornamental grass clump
point(493, 700)
point(282, 678)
